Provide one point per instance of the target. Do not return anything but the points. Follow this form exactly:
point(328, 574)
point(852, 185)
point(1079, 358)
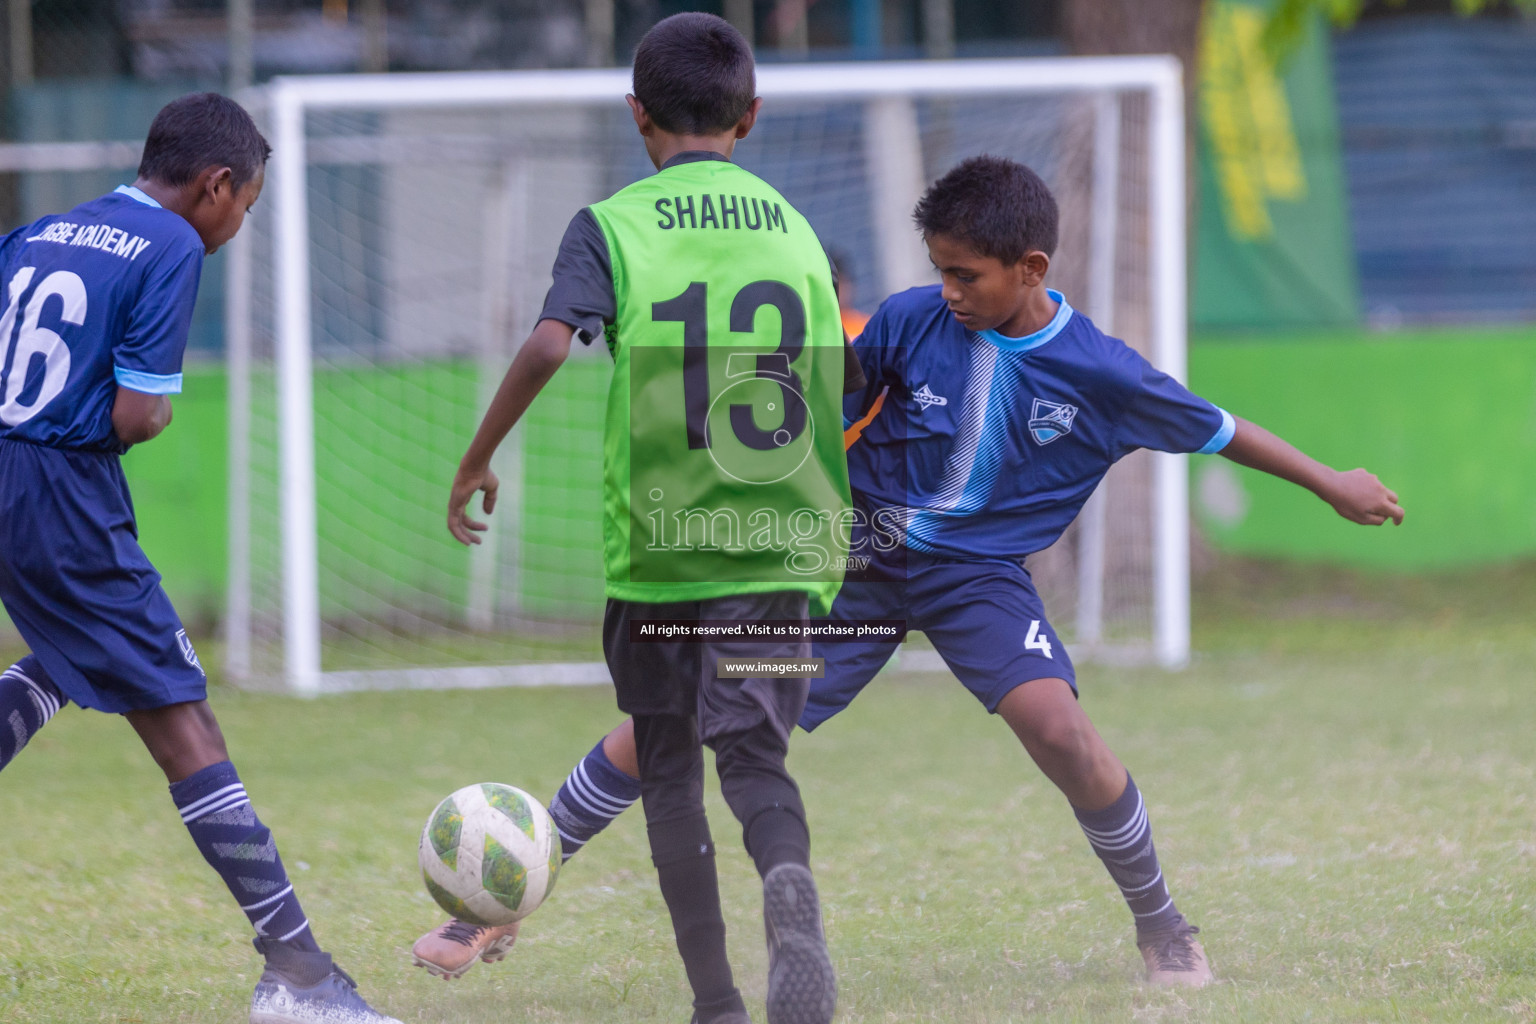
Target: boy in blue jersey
point(97, 304)
point(1004, 408)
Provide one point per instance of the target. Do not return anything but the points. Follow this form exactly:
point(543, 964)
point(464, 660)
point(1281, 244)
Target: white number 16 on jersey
point(36, 340)
point(1038, 641)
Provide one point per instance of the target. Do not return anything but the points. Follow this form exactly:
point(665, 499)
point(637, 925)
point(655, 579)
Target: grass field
point(1343, 789)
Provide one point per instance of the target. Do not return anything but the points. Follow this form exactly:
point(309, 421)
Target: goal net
point(401, 253)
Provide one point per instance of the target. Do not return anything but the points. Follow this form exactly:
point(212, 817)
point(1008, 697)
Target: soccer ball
point(489, 854)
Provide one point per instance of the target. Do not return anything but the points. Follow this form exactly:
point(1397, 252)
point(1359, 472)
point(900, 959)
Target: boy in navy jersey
point(1003, 410)
point(97, 303)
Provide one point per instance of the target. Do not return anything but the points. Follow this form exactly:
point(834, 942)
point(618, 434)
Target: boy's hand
point(537, 361)
point(465, 483)
point(1361, 498)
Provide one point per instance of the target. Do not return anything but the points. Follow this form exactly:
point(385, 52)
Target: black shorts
point(678, 677)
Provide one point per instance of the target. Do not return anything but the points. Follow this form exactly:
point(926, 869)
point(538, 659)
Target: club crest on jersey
point(1050, 420)
point(925, 398)
point(186, 650)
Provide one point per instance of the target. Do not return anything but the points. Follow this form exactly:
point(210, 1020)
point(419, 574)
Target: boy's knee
point(759, 749)
point(759, 789)
point(1060, 738)
point(680, 839)
point(619, 748)
point(1065, 738)
point(752, 772)
point(182, 738)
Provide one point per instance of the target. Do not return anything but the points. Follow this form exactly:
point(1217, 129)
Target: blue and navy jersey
point(987, 446)
point(94, 298)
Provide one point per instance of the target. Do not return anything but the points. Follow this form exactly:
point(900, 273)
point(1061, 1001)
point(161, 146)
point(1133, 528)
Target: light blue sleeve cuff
point(148, 383)
point(1223, 435)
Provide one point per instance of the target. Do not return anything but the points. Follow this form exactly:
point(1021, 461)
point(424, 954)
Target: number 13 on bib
point(724, 470)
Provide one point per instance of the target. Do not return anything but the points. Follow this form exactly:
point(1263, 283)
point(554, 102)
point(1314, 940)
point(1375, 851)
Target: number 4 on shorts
point(1037, 641)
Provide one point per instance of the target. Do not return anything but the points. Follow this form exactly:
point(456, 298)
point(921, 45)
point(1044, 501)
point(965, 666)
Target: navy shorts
point(983, 617)
point(79, 588)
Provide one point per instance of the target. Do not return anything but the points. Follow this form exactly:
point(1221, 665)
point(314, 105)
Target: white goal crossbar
point(288, 100)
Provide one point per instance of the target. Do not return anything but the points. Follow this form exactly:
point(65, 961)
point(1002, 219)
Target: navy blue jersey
point(93, 298)
point(988, 446)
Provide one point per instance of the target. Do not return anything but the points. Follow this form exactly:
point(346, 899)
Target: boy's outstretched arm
point(1356, 495)
point(536, 362)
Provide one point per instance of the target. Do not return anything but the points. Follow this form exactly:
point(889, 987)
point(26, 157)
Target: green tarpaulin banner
point(1272, 240)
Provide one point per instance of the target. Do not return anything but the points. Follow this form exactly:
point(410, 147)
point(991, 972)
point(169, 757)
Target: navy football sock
point(239, 847)
point(593, 795)
point(1122, 837)
point(28, 699)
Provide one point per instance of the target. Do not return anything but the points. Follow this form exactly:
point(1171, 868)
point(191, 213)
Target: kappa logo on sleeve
point(1050, 420)
point(926, 398)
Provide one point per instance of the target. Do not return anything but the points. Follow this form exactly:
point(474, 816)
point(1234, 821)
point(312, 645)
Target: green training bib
point(724, 470)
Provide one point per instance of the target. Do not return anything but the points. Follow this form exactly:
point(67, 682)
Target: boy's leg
point(747, 722)
point(764, 798)
point(671, 764)
point(110, 638)
point(802, 985)
point(1045, 715)
point(990, 626)
point(28, 699)
point(186, 743)
point(300, 984)
point(657, 684)
point(600, 788)
point(1049, 721)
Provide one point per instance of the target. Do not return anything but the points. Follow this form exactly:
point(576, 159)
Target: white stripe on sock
point(594, 797)
point(1122, 839)
point(196, 806)
point(261, 903)
point(1110, 833)
point(579, 790)
point(300, 928)
point(1113, 835)
point(617, 803)
point(15, 673)
point(47, 704)
point(229, 803)
point(1159, 910)
point(1156, 879)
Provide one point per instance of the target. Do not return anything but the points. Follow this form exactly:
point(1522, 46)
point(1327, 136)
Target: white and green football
point(490, 854)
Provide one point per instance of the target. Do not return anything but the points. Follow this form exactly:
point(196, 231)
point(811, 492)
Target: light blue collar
point(1040, 337)
point(134, 193)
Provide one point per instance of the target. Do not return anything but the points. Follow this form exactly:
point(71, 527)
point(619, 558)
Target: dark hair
point(998, 207)
point(694, 74)
point(199, 131)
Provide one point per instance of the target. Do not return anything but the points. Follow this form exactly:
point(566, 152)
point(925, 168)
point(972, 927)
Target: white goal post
point(1123, 165)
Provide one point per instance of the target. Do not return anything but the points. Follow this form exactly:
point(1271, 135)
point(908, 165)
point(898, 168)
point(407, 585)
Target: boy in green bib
point(725, 500)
